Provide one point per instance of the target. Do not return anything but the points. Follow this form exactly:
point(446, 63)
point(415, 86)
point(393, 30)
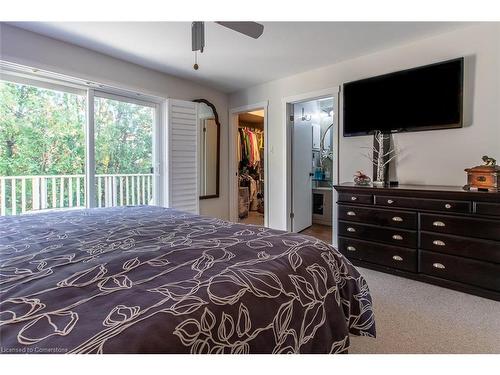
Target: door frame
point(233, 162)
point(287, 103)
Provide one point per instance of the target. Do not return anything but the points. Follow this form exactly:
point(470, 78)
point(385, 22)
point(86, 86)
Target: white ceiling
point(232, 61)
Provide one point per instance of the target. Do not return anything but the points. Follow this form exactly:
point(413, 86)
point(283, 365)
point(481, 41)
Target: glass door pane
point(123, 134)
point(42, 148)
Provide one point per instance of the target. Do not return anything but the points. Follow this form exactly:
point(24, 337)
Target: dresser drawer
point(394, 236)
point(356, 198)
point(462, 246)
point(483, 208)
point(385, 255)
point(461, 226)
point(463, 270)
point(377, 216)
point(423, 204)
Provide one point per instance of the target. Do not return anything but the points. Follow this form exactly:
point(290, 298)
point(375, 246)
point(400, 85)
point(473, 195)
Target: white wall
point(434, 157)
point(31, 49)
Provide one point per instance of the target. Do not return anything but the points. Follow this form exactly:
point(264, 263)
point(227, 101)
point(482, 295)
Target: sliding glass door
point(46, 156)
point(124, 173)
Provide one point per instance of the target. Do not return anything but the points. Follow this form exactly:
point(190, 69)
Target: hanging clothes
point(250, 156)
point(249, 146)
point(255, 148)
point(261, 140)
point(243, 147)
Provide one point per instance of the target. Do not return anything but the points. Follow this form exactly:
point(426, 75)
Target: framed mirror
point(208, 149)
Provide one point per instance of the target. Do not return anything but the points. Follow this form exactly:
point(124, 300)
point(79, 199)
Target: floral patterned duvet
point(147, 279)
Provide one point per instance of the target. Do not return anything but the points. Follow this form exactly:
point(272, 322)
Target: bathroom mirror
point(208, 149)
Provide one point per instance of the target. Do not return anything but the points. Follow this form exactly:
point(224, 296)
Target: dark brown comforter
point(154, 280)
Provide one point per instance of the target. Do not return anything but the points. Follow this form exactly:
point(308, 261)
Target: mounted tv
point(423, 98)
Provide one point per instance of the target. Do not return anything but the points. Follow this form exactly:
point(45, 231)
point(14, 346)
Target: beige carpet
point(415, 317)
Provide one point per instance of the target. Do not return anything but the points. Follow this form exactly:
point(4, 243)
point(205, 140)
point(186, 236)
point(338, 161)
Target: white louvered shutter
point(183, 156)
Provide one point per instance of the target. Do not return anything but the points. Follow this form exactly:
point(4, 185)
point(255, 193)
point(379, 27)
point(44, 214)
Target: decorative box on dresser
point(438, 234)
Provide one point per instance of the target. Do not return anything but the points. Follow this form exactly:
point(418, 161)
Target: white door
point(301, 175)
point(182, 144)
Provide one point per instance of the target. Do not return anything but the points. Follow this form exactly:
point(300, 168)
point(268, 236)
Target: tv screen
point(424, 98)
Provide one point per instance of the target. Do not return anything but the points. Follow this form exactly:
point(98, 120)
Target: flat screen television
point(424, 98)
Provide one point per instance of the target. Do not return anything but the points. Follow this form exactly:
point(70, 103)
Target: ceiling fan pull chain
point(195, 66)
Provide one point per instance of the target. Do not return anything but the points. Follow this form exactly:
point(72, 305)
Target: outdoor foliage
point(123, 137)
point(42, 133)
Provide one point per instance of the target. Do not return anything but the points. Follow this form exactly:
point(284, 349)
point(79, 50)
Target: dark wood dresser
point(438, 234)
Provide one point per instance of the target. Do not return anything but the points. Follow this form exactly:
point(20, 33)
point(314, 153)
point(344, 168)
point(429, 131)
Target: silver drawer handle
point(439, 266)
point(351, 248)
point(397, 237)
point(439, 224)
point(351, 213)
point(351, 229)
point(390, 201)
point(397, 258)
point(447, 205)
point(354, 198)
point(438, 243)
point(397, 218)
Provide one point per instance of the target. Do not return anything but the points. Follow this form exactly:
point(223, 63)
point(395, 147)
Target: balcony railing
point(20, 194)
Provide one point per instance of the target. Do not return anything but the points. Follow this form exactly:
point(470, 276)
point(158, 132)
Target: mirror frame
point(217, 177)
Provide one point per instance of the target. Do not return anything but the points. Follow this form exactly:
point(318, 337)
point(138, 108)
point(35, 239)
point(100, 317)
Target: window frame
point(47, 80)
point(155, 135)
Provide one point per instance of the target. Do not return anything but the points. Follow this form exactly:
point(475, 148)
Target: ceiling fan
point(251, 29)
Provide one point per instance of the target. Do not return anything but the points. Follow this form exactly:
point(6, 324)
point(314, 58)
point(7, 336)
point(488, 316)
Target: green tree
point(123, 138)
point(42, 132)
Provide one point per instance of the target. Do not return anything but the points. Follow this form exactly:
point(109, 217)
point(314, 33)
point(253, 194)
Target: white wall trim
point(233, 163)
point(311, 95)
point(249, 108)
point(287, 155)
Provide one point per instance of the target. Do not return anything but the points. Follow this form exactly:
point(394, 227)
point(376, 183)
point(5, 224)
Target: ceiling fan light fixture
point(198, 36)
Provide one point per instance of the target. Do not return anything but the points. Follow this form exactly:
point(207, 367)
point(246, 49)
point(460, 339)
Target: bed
point(148, 279)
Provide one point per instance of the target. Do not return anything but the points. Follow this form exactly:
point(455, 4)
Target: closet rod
point(250, 127)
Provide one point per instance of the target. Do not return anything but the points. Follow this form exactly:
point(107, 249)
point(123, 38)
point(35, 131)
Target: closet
point(251, 167)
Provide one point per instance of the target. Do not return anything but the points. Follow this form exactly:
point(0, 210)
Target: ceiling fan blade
point(251, 29)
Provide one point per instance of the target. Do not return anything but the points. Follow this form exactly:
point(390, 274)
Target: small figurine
point(361, 179)
point(489, 161)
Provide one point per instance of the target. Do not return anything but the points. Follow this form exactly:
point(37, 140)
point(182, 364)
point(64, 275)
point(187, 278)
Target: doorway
point(251, 162)
point(248, 152)
point(312, 139)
